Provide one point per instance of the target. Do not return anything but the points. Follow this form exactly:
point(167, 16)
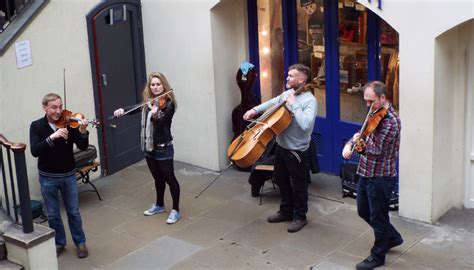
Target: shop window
point(310, 26)
point(390, 61)
point(352, 60)
point(270, 43)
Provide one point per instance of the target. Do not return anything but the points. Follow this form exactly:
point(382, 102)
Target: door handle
point(113, 126)
point(104, 80)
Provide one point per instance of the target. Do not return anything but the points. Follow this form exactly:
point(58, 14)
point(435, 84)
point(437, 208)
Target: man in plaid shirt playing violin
point(377, 172)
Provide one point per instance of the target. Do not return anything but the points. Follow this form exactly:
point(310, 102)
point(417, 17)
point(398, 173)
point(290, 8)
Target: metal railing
point(9, 10)
point(10, 189)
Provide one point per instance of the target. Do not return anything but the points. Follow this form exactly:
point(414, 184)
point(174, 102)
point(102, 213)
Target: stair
point(7, 265)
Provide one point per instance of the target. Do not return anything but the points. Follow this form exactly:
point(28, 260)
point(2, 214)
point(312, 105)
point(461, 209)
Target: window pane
point(389, 61)
point(310, 23)
point(270, 43)
point(352, 60)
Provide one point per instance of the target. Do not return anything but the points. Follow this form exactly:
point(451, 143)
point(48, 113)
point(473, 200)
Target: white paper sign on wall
point(23, 54)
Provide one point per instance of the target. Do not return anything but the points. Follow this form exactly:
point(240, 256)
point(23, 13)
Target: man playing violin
point(377, 172)
point(54, 148)
point(292, 155)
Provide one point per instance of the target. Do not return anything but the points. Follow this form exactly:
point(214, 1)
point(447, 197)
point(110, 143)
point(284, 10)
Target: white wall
point(469, 122)
point(58, 38)
point(449, 130)
point(229, 32)
point(199, 57)
point(418, 24)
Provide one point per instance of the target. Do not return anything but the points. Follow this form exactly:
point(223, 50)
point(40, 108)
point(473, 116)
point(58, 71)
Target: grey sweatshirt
point(304, 111)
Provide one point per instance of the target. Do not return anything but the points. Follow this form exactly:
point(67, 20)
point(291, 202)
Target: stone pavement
point(225, 228)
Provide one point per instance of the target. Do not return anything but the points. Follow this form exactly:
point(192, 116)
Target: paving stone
point(148, 228)
point(186, 265)
point(226, 228)
point(290, 258)
point(203, 231)
point(236, 212)
point(259, 234)
point(337, 261)
point(222, 191)
point(258, 263)
point(224, 255)
point(319, 238)
point(106, 248)
point(443, 248)
point(105, 219)
point(195, 207)
point(161, 253)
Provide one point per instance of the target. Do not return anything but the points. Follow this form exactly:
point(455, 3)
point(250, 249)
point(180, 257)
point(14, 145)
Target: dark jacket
point(162, 132)
point(55, 158)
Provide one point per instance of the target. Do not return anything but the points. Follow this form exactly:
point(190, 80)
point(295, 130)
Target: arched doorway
point(453, 151)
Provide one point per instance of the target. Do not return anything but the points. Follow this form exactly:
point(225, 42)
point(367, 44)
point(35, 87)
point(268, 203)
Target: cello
point(247, 148)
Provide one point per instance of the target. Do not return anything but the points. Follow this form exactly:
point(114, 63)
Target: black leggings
point(163, 171)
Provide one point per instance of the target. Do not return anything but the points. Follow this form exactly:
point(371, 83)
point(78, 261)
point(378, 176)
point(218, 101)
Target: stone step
point(8, 265)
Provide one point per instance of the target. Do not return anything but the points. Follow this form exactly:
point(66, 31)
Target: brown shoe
point(59, 250)
point(278, 217)
point(82, 251)
point(297, 225)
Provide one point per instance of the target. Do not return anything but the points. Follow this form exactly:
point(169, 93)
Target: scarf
point(146, 134)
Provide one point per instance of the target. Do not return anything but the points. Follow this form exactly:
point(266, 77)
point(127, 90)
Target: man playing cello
point(292, 156)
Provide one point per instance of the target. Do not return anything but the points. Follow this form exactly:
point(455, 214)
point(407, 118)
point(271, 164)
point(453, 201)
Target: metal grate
point(9, 11)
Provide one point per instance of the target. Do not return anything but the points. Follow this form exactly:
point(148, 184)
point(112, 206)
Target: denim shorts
point(161, 152)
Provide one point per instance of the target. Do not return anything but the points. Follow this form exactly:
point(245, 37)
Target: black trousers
point(373, 202)
point(291, 173)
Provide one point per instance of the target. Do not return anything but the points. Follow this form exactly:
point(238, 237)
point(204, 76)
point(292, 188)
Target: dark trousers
point(163, 172)
point(291, 173)
point(373, 201)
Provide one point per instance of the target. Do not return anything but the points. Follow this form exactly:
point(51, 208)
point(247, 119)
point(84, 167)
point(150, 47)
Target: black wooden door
point(118, 70)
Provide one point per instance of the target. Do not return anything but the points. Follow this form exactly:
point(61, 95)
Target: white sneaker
point(153, 210)
point(173, 217)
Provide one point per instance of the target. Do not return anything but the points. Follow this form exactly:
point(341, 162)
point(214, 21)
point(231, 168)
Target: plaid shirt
point(381, 154)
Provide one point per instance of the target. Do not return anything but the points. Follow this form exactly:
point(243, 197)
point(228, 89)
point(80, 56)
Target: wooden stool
point(265, 168)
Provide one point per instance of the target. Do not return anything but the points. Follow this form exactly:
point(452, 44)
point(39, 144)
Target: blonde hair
point(50, 97)
point(147, 94)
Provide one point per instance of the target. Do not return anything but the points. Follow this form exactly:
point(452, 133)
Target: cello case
point(245, 78)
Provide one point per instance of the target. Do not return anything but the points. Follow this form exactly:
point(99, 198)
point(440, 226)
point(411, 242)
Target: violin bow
point(141, 105)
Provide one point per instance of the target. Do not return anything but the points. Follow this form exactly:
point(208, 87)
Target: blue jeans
point(373, 202)
point(50, 188)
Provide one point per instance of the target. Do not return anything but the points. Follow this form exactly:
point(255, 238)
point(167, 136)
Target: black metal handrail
point(20, 173)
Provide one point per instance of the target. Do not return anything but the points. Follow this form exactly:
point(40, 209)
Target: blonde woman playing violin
point(156, 141)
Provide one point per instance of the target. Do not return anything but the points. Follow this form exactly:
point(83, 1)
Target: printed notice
point(23, 54)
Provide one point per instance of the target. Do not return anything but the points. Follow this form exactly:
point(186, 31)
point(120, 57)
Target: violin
point(162, 100)
point(70, 119)
point(372, 120)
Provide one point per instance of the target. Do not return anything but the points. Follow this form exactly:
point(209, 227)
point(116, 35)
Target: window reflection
point(390, 61)
point(310, 36)
point(352, 60)
point(270, 42)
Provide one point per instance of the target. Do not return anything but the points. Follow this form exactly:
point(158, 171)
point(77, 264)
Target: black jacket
point(55, 158)
point(162, 132)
